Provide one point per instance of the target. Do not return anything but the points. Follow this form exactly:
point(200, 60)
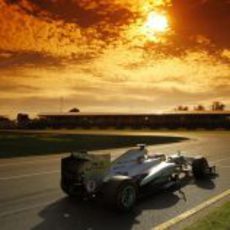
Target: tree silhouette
point(181, 108)
point(199, 108)
point(217, 106)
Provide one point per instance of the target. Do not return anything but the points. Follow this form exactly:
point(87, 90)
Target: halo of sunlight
point(154, 24)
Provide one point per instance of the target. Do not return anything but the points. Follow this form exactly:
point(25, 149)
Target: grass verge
point(219, 219)
point(24, 144)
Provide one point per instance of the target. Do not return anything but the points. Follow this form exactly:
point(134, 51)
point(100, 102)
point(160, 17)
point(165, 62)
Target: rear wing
point(92, 166)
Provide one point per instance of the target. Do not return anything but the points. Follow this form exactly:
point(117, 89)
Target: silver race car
point(121, 181)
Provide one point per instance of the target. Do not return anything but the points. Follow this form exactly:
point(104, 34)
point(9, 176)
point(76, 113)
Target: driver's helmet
point(141, 159)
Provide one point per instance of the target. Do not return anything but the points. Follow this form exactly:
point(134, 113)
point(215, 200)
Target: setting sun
point(155, 23)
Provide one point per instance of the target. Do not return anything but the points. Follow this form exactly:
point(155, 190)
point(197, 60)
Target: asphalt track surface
point(30, 197)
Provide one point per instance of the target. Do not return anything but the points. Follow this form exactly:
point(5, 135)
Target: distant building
point(171, 120)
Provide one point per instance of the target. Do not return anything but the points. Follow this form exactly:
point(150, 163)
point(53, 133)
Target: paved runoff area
point(30, 196)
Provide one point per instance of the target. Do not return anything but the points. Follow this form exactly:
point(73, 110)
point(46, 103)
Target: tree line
point(215, 106)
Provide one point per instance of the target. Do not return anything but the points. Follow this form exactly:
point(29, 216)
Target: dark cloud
point(102, 15)
point(86, 14)
point(200, 24)
point(11, 60)
point(210, 19)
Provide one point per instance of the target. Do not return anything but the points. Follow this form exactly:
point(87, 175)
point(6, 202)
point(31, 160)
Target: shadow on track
point(207, 183)
point(69, 214)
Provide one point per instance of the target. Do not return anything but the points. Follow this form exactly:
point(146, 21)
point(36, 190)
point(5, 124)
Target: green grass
point(23, 144)
point(216, 220)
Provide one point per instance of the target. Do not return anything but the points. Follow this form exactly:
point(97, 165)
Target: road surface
point(30, 197)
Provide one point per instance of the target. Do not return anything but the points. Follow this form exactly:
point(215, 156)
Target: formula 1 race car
point(121, 181)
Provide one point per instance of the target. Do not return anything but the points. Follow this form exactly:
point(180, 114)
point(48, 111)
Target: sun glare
point(154, 24)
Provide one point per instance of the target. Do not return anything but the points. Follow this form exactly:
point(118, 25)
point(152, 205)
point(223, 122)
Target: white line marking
point(183, 216)
point(30, 161)
point(28, 198)
point(28, 175)
point(223, 159)
point(4, 214)
point(224, 166)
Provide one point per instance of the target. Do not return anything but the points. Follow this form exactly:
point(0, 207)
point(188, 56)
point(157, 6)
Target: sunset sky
point(113, 55)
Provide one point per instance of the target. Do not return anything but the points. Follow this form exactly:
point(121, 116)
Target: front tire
point(200, 168)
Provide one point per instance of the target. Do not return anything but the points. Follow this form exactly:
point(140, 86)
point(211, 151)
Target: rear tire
point(120, 193)
point(200, 168)
point(72, 191)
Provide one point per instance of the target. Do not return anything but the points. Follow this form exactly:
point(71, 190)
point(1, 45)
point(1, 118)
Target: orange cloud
point(91, 54)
